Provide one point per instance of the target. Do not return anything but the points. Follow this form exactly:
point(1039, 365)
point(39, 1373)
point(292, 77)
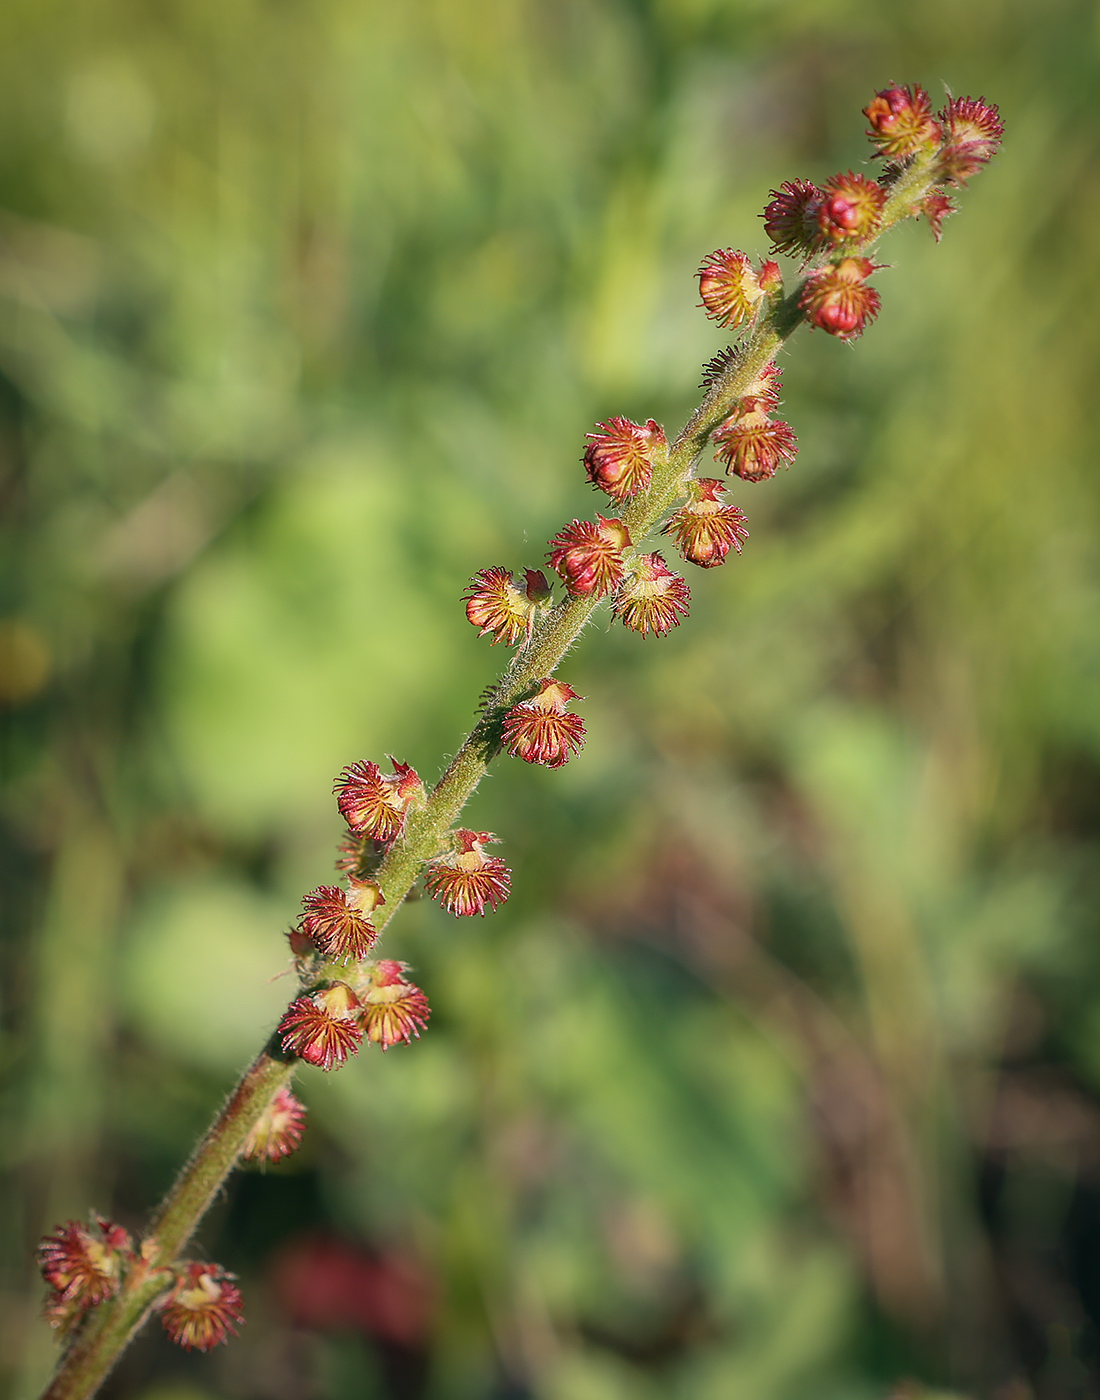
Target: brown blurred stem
point(111, 1326)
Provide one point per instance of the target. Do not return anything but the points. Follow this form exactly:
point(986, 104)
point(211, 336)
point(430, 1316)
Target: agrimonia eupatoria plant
point(102, 1283)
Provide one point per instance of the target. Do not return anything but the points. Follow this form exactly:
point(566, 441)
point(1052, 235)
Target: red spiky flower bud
point(466, 879)
point(278, 1131)
point(589, 557)
point(790, 220)
point(729, 288)
point(339, 924)
point(82, 1266)
point(375, 804)
point(754, 446)
point(203, 1308)
point(770, 278)
point(902, 122)
point(838, 300)
point(499, 606)
point(620, 456)
point(972, 136)
point(851, 207)
point(541, 730)
point(936, 207)
point(392, 1009)
point(705, 529)
point(321, 1028)
point(653, 599)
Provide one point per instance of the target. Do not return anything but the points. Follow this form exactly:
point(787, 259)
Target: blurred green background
point(778, 1078)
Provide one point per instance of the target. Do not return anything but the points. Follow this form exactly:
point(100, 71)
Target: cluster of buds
point(86, 1266)
point(829, 227)
point(335, 924)
point(377, 1003)
point(962, 137)
point(804, 220)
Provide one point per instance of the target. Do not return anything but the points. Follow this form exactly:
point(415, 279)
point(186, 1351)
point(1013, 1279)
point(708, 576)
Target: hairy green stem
point(110, 1327)
point(94, 1350)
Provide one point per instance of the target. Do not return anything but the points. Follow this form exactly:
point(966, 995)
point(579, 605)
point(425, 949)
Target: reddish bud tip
point(770, 278)
point(203, 1308)
point(851, 208)
point(729, 288)
point(754, 446)
point(541, 730)
point(278, 1131)
point(321, 1028)
point(537, 586)
point(705, 530)
point(588, 557)
point(653, 599)
point(936, 207)
point(620, 456)
point(373, 804)
point(466, 879)
point(837, 299)
point(972, 136)
point(393, 1009)
point(339, 924)
point(901, 122)
point(790, 220)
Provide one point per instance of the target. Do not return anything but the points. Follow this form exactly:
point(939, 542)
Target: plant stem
point(110, 1327)
point(94, 1350)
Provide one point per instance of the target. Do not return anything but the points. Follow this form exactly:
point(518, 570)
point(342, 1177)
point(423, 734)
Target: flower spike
point(278, 1131)
point(321, 1028)
point(466, 879)
point(589, 557)
point(373, 804)
point(203, 1308)
point(705, 529)
point(620, 455)
point(654, 599)
point(392, 1009)
point(541, 730)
